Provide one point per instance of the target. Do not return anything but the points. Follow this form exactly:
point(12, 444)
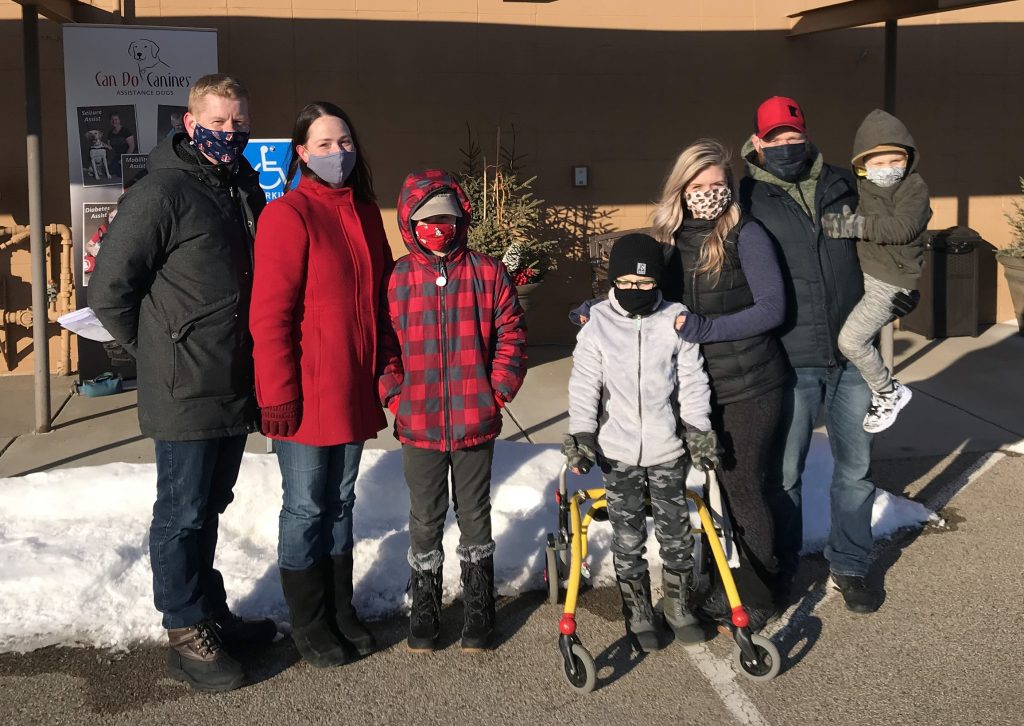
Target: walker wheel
point(551, 576)
point(586, 670)
point(769, 661)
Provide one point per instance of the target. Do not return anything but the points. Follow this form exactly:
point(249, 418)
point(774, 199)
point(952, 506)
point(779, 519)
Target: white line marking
point(722, 677)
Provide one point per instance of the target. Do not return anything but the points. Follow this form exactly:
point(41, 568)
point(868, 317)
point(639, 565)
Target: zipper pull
point(442, 278)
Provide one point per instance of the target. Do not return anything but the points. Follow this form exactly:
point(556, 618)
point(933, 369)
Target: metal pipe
point(34, 152)
point(886, 341)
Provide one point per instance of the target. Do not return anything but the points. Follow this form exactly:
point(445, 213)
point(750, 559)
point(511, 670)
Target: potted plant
point(1012, 259)
point(507, 217)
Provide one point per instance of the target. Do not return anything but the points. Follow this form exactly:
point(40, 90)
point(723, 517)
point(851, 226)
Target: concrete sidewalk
point(938, 650)
point(967, 398)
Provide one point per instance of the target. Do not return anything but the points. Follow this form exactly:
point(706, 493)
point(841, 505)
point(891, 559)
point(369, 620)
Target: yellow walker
point(756, 656)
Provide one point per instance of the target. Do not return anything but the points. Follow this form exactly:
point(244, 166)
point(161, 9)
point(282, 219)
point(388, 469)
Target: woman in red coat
point(320, 284)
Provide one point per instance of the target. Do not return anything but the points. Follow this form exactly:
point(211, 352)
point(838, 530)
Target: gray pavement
point(941, 650)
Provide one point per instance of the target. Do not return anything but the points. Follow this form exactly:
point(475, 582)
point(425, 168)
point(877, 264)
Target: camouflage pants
point(626, 488)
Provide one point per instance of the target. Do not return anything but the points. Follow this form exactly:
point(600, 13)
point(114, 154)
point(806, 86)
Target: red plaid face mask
point(435, 237)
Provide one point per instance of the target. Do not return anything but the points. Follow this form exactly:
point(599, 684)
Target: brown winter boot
point(197, 657)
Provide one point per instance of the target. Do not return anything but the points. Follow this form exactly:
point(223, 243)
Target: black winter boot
point(197, 657)
point(477, 597)
point(239, 634)
point(349, 626)
point(425, 614)
point(312, 622)
point(677, 608)
point(638, 612)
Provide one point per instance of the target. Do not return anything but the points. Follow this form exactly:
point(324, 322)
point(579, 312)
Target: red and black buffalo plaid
point(460, 348)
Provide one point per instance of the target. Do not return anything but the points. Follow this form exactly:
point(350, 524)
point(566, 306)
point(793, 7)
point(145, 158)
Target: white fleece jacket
point(637, 384)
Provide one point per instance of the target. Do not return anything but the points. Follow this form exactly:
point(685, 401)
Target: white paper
point(85, 324)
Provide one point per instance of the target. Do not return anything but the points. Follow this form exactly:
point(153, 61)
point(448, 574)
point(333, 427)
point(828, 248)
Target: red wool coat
point(461, 351)
point(319, 289)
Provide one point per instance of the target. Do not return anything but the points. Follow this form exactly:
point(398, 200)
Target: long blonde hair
point(671, 209)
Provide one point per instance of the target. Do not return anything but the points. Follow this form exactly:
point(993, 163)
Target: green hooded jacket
point(896, 217)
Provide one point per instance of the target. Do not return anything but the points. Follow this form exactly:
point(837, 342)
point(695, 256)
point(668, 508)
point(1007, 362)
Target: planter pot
point(1013, 268)
point(524, 292)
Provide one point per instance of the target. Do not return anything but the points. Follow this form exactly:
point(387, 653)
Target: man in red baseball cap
point(788, 189)
point(781, 138)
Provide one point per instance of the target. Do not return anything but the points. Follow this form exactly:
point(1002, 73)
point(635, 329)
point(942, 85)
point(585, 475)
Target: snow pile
point(74, 554)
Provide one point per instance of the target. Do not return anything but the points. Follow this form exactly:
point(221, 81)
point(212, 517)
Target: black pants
point(746, 430)
point(426, 474)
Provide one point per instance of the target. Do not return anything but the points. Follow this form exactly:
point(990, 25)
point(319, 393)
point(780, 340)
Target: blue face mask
point(224, 146)
point(333, 168)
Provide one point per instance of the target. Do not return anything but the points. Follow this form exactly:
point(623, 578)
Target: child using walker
point(638, 400)
point(461, 357)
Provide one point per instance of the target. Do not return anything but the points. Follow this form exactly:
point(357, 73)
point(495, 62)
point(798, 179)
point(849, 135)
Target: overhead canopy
point(71, 11)
point(867, 12)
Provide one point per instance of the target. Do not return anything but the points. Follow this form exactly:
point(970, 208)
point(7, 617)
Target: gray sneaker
point(885, 407)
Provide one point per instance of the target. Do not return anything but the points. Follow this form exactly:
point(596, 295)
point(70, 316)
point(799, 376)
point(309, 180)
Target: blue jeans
point(193, 488)
point(319, 494)
point(846, 397)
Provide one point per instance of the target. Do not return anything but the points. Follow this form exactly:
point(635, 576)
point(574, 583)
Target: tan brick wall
point(618, 86)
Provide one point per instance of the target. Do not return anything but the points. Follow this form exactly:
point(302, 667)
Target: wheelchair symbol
point(270, 166)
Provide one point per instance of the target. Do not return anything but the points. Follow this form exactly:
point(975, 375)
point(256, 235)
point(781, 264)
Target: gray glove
point(117, 354)
point(703, 446)
point(580, 451)
point(845, 225)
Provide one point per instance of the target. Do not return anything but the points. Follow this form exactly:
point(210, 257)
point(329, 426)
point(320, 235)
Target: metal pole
point(34, 149)
point(885, 342)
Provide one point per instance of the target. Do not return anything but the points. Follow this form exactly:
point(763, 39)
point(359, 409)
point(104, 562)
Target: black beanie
point(636, 254)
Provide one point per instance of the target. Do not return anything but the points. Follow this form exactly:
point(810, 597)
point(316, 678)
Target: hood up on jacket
point(417, 188)
point(883, 129)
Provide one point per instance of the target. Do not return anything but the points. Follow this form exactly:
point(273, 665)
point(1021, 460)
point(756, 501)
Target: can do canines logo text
point(150, 72)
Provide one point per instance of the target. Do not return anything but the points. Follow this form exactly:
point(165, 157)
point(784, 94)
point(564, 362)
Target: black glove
point(116, 353)
point(845, 225)
point(904, 302)
point(703, 445)
point(580, 451)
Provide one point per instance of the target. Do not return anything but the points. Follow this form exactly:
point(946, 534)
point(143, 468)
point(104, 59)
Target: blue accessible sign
point(270, 158)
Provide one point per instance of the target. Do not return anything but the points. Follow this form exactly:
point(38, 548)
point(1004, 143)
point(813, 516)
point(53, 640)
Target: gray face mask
point(886, 176)
point(333, 168)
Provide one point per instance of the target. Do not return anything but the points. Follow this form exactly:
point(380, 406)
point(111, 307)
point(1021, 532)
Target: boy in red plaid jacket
point(462, 356)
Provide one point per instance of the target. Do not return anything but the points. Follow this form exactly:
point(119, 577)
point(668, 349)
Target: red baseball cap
point(779, 111)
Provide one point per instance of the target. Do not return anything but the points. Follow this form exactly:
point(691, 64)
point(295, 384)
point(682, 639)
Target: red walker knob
point(739, 617)
point(567, 625)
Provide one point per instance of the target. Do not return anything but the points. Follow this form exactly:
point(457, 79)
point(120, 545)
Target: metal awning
point(867, 12)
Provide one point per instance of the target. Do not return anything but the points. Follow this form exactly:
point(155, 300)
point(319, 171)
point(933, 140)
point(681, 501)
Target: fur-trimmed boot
point(425, 614)
point(639, 613)
point(477, 596)
point(677, 607)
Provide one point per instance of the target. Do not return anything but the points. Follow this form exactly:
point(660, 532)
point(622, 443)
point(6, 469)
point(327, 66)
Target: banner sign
point(126, 88)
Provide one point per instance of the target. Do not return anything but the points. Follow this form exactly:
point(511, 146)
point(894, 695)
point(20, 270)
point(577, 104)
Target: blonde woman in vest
point(723, 268)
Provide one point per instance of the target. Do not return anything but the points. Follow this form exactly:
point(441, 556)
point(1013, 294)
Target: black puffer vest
point(738, 369)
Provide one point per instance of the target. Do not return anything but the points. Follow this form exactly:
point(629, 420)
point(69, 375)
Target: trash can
point(950, 286)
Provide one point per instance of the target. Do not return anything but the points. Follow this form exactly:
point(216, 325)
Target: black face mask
point(638, 302)
point(787, 161)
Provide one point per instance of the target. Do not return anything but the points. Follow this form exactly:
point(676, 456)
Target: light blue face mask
point(333, 168)
point(886, 176)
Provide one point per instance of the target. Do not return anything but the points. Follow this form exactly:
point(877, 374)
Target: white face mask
point(886, 176)
point(709, 203)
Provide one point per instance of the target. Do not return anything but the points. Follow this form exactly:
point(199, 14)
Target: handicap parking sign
point(270, 158)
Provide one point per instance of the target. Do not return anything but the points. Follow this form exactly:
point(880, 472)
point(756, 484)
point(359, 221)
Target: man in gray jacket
point(638, 399)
